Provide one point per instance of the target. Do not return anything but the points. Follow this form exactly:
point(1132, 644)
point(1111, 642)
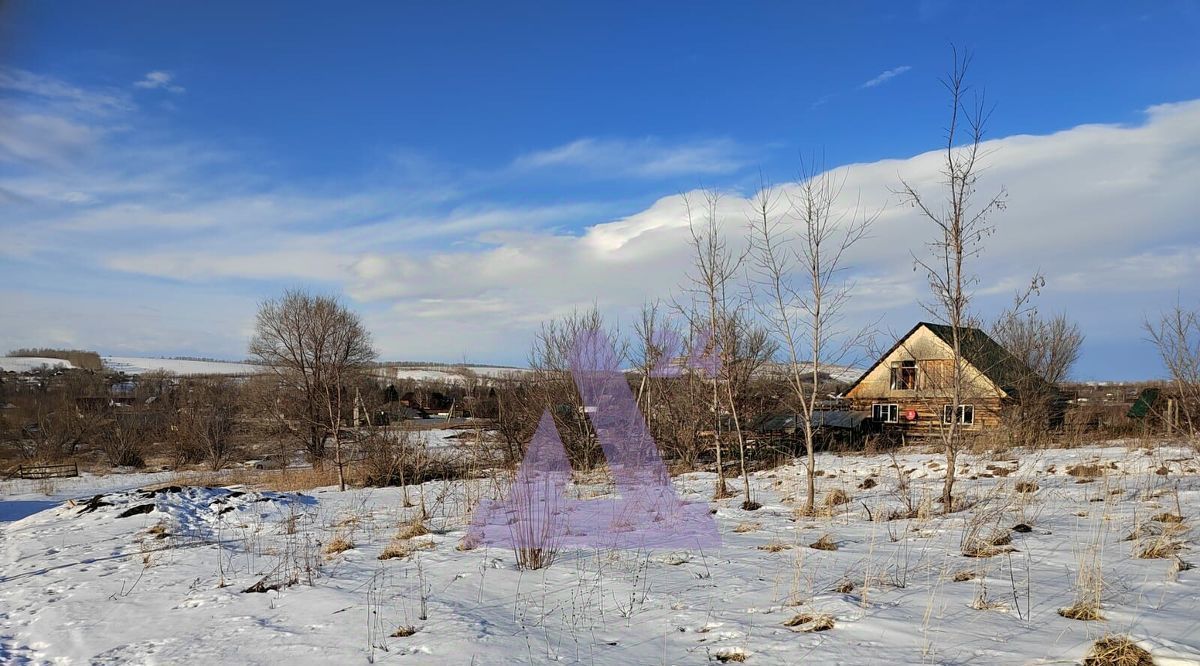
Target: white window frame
point(890, 410)
point(963, 412)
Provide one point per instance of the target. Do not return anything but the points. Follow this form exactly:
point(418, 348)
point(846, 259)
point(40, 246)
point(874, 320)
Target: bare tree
point(674, 403)
point(718, 309)
point(58, 421)
point(961, 226)
point(1176, 335)
point(316, 347)
point(125, 438)
point(744, 347)
point(206, 422)
point(1049, 347)
point(550, 387)
point(798, 261)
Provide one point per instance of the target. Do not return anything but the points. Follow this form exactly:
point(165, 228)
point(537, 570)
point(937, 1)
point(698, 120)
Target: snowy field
point(443, 373)
point(194, 575)
point(28, 363)
point(137, 365)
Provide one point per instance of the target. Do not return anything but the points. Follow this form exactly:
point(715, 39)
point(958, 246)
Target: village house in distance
point(907, 392)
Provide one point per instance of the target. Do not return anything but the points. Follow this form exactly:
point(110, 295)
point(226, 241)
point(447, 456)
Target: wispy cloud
point(48, 89)
point(886, 76)
point(159, 79)
point(43, 139)
point(645, 158)
point(822, 100)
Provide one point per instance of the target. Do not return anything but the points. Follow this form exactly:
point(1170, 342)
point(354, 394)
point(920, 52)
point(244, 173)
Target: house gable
point(924, 346)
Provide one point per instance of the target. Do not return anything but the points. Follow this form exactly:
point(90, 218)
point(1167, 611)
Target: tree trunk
point(337, 457)
point(810, 499)
point(720, 491)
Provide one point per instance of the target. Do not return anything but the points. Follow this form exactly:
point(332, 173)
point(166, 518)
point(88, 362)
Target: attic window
point(904, 375)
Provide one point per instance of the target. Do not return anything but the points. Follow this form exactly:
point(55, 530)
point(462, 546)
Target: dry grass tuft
point(412, 529)
point(730, 655)
point(404, 631)
point(1027, 486)
point(981, 546)
point(1158, 548)
point(836, 497)
point(278, 480)
point(468, 542)
point(1081, 611)
point(398, 549)
point(845, 587)
point(159, 530)
point(964, 575)
point(1117, 651)
point(1168, 518)
point(867, 484)
point(826, 542)
point(1086, 471)
point(339, 544)
point(810, 622)
point(743, 528)
point(775, 546)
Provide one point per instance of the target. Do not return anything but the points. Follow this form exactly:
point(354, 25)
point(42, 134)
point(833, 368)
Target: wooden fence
point(47, 471)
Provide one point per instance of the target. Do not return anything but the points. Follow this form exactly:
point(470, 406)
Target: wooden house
point(908, 391)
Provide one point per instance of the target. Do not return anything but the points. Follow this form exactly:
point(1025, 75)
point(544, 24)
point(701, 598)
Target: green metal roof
point(1146, 399)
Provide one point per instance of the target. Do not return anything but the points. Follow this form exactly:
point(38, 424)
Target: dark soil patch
point(136, 510)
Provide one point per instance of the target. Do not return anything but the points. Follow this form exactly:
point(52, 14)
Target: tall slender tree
point(961, 225)
point(798, 255)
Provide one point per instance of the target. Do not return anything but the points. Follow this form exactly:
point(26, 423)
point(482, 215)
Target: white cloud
point(159, 79)
point(1092, 207)
point(647, 158)
point(886, 76)
point(1106, 211)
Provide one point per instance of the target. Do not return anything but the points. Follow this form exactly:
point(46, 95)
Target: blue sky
point(461, 171)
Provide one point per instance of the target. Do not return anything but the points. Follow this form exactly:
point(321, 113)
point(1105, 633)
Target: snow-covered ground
point(444, 373)
point(136, 365)
point(27, 363)
point(171, 581)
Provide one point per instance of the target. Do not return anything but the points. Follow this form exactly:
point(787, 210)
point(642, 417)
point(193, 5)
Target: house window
point(966, 414)
point(885, 413)
point(904, 375)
